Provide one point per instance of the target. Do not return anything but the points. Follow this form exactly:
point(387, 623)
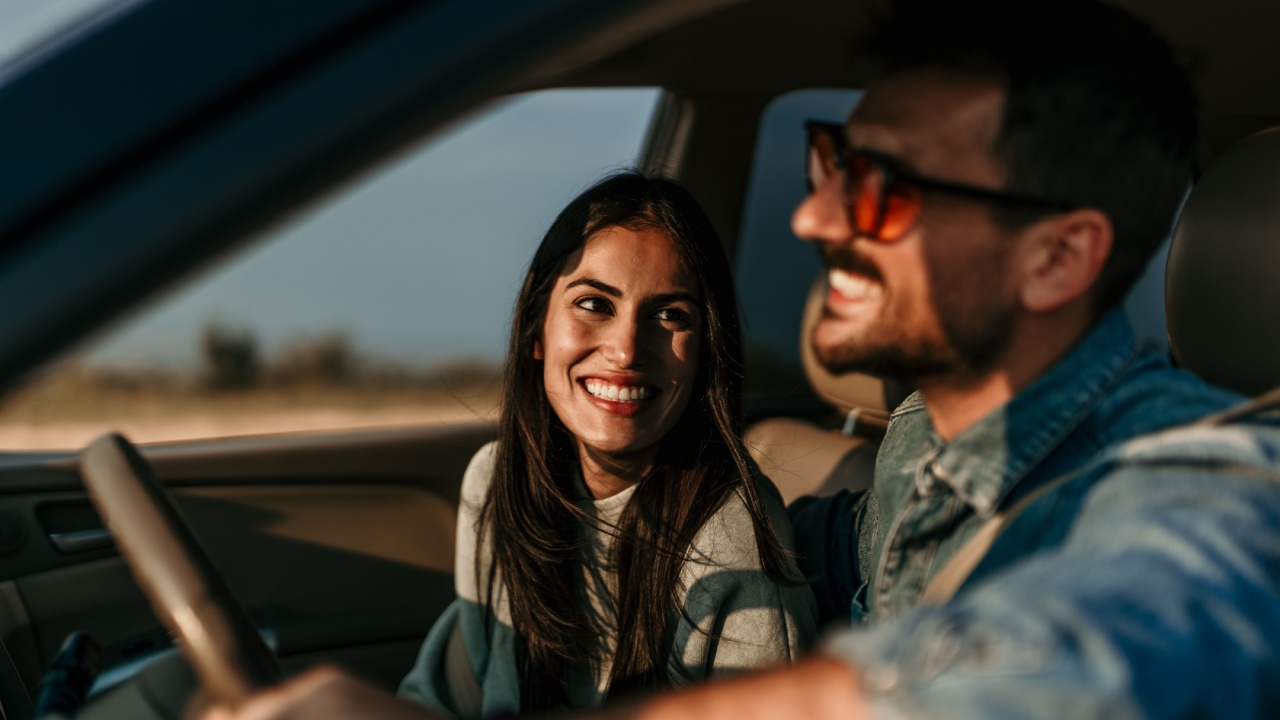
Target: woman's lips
point(619, 398)
point(618, 392)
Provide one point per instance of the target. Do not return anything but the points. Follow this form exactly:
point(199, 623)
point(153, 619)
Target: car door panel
point(340, 545)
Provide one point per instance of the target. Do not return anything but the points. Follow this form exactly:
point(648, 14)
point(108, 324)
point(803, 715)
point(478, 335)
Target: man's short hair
point(1097, 112)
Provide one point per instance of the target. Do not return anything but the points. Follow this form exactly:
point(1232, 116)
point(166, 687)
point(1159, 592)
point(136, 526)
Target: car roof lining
point(777, 46)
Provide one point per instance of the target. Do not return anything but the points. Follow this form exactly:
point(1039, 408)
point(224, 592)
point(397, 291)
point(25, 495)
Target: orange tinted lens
point(875, 215)
point(900, 212)
point(865, 183)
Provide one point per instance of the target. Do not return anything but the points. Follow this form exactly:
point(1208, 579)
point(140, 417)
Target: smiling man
point(980, 215)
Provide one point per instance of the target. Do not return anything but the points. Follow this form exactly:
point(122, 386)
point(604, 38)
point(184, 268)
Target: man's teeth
point(618, 394)
point(853, 286)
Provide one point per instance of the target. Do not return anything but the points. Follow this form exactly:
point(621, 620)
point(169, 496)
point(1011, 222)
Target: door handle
point(78, 541)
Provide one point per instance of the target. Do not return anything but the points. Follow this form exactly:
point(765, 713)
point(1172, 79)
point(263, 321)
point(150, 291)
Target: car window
point(387, 304)
point(773, 269)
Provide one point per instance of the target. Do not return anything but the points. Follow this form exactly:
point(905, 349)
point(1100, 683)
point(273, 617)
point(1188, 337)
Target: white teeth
point(854, 287)
point(618, 394)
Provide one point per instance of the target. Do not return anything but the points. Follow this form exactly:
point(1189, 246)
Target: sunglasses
point(884, 201)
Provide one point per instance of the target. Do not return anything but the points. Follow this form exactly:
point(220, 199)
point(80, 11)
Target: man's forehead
point(928, 117)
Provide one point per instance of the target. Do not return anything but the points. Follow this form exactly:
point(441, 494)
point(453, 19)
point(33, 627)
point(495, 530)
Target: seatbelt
point(947, 582)
point(460, 678)
point(961, 565)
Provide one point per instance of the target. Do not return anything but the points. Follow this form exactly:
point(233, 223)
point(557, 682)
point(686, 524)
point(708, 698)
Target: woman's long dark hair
point(530, 513)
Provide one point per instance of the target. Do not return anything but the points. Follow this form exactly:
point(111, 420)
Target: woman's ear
point(537, 349)
point(1064, 260)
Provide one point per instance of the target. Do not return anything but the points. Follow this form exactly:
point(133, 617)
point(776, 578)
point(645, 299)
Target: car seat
point(805, 458)
point(1220, 280)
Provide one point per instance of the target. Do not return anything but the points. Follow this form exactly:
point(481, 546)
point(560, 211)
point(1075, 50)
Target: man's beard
point(976, 325)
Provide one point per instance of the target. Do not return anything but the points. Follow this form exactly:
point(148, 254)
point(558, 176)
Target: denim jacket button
point(938, 471)
point(984, 500)
point(925, 484)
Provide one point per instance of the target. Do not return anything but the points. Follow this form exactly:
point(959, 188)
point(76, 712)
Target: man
point(1002, 195)
point(980, 215)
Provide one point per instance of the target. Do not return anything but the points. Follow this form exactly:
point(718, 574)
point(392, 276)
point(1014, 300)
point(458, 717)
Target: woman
point(615, 538)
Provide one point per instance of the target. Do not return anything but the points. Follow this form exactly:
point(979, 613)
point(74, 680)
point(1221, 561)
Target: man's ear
point(1065, 258)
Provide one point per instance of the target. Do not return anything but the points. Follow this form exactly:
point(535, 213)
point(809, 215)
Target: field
point(71, 405)
point(317, 383)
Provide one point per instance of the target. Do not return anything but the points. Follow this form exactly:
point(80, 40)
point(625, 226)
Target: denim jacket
point(1146, 586)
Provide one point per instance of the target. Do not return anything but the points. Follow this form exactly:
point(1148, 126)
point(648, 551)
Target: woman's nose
point(822, 215)
point(623, 345)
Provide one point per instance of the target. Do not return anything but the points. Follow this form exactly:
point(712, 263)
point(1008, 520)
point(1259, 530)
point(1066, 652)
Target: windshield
point(24, 24)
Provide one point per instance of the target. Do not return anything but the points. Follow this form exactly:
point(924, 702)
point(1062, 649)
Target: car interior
point(339, 545)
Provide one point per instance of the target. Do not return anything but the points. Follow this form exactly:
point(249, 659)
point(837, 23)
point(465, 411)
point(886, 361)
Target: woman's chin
point(620, 450)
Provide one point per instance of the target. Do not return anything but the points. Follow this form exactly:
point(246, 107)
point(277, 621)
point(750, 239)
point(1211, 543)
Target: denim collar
point(986, 461)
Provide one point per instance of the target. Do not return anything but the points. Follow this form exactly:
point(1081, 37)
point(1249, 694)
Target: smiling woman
point(619, 350)
point(615, 538)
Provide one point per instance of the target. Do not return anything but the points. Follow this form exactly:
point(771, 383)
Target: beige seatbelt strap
point(961, 565)
point(464, 688)
point(947, 582)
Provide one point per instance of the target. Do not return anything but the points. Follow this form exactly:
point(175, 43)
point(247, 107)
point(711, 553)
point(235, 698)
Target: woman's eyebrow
point(615, 292)
point(592, 282)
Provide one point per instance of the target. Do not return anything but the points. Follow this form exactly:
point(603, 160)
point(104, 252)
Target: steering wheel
point(187, 593)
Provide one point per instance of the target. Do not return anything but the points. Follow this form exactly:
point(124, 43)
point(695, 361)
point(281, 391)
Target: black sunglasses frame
point(891, 167)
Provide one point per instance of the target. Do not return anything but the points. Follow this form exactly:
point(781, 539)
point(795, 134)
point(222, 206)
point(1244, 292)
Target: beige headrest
point(1222, 286)
point(873, 397)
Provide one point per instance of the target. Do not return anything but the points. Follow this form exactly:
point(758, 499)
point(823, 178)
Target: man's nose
point(623, 344)
point(822, 215)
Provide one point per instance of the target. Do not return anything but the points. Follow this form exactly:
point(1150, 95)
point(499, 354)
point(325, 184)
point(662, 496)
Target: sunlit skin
point(623, 320)
point(819, 687)
point(956, 267)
